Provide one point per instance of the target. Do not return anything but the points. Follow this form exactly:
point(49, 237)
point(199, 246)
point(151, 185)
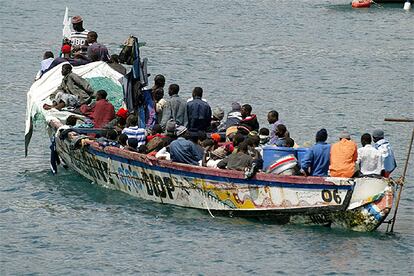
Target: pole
point(402, 178)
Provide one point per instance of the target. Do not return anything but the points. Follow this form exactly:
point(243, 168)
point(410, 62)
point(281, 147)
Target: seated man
point(96, 51)
point(343, 156)
point(185, 151)
point(280, 136)
point(249, 120)
point(387, 153)
point(101, 112)
point(233, 117)
point(45, 63)
point(316, 160)
point(72, 92)
point(133, 131)
point(239, 160)
point(370, 159)
point(66, 52)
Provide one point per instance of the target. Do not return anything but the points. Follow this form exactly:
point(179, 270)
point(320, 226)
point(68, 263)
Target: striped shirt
point(136, 133)
point(79, 39)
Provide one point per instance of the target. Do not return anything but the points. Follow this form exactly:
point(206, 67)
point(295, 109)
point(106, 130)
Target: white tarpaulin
point(41, 90)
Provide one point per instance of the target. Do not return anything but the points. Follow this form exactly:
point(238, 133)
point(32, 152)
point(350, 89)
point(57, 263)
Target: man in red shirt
point(102, 112)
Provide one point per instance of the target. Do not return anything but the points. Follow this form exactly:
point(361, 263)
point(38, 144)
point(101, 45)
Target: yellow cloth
point(343, 157)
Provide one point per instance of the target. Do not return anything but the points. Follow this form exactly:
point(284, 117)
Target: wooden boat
point(360, 204)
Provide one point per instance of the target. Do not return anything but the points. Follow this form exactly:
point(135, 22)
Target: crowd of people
point(190, 132)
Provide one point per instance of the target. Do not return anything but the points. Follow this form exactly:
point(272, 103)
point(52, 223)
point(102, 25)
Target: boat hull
point(282, 199)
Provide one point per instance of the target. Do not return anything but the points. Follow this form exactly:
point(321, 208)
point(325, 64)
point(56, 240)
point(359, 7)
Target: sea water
point(319, 63)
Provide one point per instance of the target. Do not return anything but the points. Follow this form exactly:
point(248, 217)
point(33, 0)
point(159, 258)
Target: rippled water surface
point(319, 63)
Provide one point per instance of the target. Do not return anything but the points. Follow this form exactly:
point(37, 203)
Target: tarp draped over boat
point(41, 90)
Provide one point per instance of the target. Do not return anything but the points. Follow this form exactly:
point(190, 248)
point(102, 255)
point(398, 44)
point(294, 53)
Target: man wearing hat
point(387, 153)
point(316, 160)
point(78, 35)
point(185, 151)
point(344, 154)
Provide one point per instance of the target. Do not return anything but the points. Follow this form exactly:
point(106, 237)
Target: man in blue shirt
point(316, 161)
point(185, 151)
point(199, 112)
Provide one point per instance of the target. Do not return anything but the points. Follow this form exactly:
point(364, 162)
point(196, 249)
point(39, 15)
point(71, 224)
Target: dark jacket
point(199, 114)
point(236, 161)
point(250, 122)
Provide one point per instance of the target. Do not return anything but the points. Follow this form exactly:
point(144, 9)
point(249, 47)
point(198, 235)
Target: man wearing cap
point(78, 35)
point(316, 160)
point(218, 115)
point(387, 153)
point(185, 151)
point(119, 121)
point(344, 155)
point(233, 117)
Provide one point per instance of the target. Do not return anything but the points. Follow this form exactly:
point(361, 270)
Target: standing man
point(175, 108)
point(316, 161)
point(198, 112)
point(78, 35)
point(96, 51)
point(344, 154)
point(387, 153)
point(370, 159)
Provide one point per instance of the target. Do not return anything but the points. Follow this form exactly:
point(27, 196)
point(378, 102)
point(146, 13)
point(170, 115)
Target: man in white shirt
point(370, 160)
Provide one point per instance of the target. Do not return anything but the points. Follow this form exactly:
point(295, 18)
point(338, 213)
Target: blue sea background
point(319, 63)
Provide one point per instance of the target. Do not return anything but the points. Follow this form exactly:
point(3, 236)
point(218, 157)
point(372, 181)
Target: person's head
point(158, 94)
point(122, 113)
point(77, 23)
point(235, 106)
point(48, 54)
point(253, 141)
point(111, 134)
point(246, 110)
point(173, 89)
point(201, 135)
point(159, 80)
point(272, 116)
point(321, 135)
point(132, 142)
point(66, 69)
point(198, 92)
point(92, 37)
point(132, 120)
point(264, 135)
point(344, 135)
point(281, 130)
point(101, 95)
point(290, 142)
point(237, 139)
point(66, 50)
point(114, 59)
point(366, 139)
point(181, 131)
point(156, 129)
point(218, 113)
point(122, 139)
point(377, 135)
point(208, 143)
point(71, 120)
point(121, 122)
point(170, 127)
point(242, 147)
point(216, 137)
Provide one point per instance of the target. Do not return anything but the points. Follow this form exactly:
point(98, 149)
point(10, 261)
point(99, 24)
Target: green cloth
point(114, 90)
